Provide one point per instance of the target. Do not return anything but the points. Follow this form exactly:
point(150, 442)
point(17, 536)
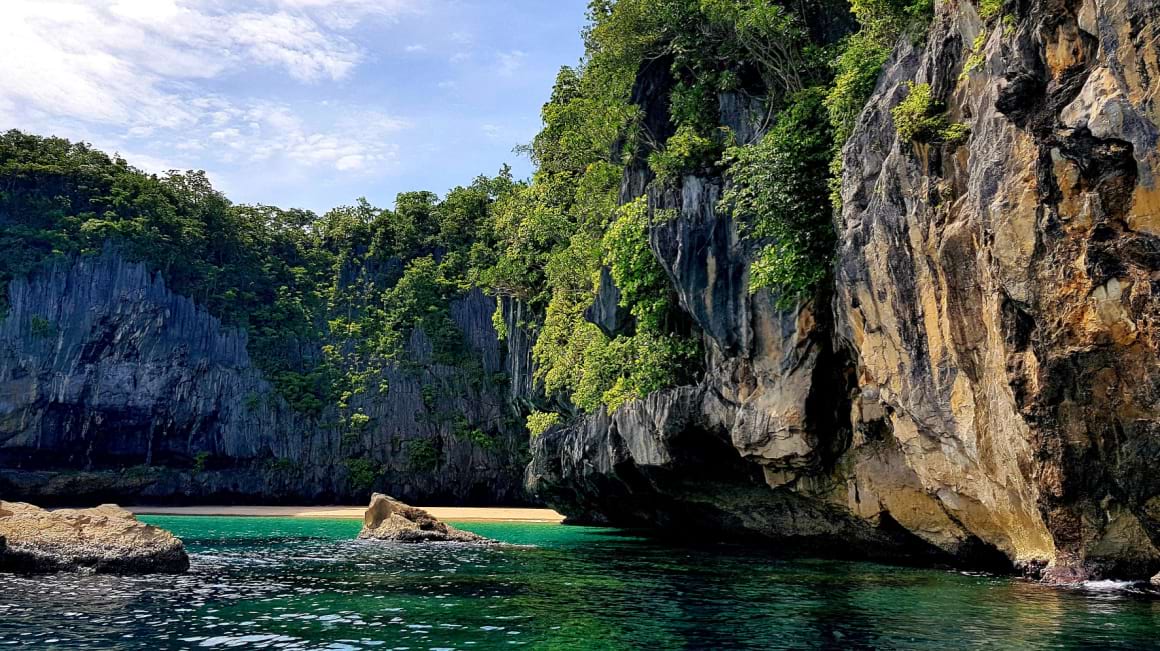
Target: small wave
point(1112, 586)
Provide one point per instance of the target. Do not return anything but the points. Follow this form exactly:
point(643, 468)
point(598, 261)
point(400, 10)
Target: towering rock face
point(984, 383)
point(113, 388)
point(1002, 296)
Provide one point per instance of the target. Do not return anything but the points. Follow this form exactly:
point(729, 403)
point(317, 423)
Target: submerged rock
point(390, 520)
point(105, 539)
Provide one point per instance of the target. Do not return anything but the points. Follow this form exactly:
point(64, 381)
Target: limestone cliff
point(983, 383)
point(113, 388)
point(1002, 296)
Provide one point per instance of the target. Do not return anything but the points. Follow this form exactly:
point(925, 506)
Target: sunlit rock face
point(984, 382)
point(106, 539)
point(1002, 297)
point(114, 389)
point(389, 520)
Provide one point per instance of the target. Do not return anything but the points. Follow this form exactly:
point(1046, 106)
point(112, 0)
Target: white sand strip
point(455, 513)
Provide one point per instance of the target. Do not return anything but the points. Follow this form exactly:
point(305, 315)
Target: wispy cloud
point(345, 14)
point(508, 63)
point(305, 102)
point(267, 132)
point(133, 70)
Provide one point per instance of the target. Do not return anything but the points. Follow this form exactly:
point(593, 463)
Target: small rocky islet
point(389, 520)
point(106, 540)
point(110, 540)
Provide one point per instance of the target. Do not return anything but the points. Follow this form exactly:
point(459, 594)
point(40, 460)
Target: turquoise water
point(277, 583)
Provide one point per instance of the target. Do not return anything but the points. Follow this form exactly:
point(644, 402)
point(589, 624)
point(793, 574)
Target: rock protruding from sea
point(106, 539)
point(390, 520)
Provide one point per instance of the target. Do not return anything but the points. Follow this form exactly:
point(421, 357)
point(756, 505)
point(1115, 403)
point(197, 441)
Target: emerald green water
point(305, 584)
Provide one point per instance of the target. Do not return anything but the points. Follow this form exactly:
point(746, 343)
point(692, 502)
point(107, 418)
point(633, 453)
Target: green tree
point(779, 190)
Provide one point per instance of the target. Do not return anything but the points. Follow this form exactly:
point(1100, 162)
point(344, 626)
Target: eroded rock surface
point(390, 520)
point(105, 539)
point(112, 388)
point(1002, 297)
point(984, 383)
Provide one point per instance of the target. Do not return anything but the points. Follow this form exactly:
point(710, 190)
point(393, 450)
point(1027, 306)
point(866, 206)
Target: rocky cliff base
point(981, 385)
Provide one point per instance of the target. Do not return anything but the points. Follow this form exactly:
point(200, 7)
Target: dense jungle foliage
point(326, 300)
point(329, 299)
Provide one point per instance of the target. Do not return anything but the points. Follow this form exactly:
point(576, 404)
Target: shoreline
point(451, 513)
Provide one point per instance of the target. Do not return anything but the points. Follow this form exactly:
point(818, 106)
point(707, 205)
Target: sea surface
point(275, 583)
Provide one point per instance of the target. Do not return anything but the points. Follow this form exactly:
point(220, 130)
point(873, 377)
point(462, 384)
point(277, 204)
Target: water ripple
point(279, 584)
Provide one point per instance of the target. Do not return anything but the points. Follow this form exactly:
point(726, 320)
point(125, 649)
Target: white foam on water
point(1111, 586)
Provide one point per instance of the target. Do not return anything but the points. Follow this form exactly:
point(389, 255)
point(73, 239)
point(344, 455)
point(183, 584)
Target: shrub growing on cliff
point(857, 69)
point(917, 117)
point(498, 323)
point(887, 19)
point(41, 327)
point(643, 284)
point(859, 62)
point(423, 455)
point(955, 134)
point(686, 152)
point(461, 428)
point(780, 192)
point(362, 473)
point(540, 422)
point(988, 9)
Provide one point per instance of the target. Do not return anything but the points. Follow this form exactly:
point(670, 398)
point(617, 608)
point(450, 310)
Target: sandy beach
point(454, 513)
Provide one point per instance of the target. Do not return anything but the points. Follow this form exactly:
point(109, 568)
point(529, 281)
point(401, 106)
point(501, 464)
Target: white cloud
point(266, 133)
point(417, 47)
point(344, 14)
point(136, 76)
point(507, 63)
point(389, 8)
point(293, 43)
point(124, 63)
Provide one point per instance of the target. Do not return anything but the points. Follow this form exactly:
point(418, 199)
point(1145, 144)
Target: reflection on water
point(268, 583)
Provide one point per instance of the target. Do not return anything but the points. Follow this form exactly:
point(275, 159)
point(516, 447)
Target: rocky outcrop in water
point(389, 520)
point(113, 388)
point(983, 385)
point(106, 539)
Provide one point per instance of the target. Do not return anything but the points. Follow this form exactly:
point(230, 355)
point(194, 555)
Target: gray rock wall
point(112, 388)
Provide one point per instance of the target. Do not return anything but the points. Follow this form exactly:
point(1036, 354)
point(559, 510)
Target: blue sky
point(298, 103)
